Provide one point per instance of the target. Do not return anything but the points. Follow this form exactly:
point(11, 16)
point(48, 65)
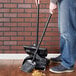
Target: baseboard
point(22, 56)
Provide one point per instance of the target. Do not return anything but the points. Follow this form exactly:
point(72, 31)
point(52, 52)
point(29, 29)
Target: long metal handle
point(46, 25)
point(37, 28)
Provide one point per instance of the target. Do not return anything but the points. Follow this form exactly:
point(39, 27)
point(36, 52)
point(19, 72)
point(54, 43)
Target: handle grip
point(38, 1)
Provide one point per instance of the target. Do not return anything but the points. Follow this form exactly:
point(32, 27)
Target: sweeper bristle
point(28, 66)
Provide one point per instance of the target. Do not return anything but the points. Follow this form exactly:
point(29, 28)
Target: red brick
point(4, 1)
point(54, 20)
point(42, 6)
point(4, 47)
point(10, 52)
point(17, 19)
point(16, 1)
point(17, 29)
point(43, 19)
point(17, 10)
point(53, 25)
point(4, 28)
point(24, 5)
point(10, 33)
point(47, 38)
point(1, 24)
point(34, 24)
point(47, 34)
point(1, 15)
point(47, 6)
point(4, 10)
point(30, 38)
point(10, 42)
point(40, 15)
point(34, 34)
point(4, 38)
point(24, 24)
point(30, 29)
point(41, 29)
point(55, 38)
point(30, 19)
point(34, 15)
point(49, 29)
point(44, 1)
point(34, 6)
point(10, 15)
point(1, 51)
point(24, 33)
point(10, 24)
point(21, 51)
point(33, 42)
point(55, 29)
point(31, 10)
point(24, 15)
point(40, 24)
point(1, 43)
point(10, 5)
point(54, 43)
point(4, 20)
point(17, 47)
point(29, 1)
point(44, 15)
point(52, 34)
point(1, 5)
point(56, 48)
point(1, 33)
point(42, 43)
point(52, 48)
point(17, 38)
point(24, 43)
point(44, 10)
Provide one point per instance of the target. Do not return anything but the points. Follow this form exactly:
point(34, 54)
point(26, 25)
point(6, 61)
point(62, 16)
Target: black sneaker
point(57, 59)
point(60, 69)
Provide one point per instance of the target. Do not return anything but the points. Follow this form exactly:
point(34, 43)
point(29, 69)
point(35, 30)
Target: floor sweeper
point(37, 56)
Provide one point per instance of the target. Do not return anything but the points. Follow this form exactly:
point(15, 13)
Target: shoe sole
point(60, 71)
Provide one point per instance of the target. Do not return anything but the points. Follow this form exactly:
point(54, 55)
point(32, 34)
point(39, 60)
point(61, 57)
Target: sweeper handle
point(46, 25)
point(37, 28)
point(37, 2)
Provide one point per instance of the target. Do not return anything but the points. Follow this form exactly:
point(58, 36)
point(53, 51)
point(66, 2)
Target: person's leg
point(73, 26)
point(67, 33)
point(67, 15)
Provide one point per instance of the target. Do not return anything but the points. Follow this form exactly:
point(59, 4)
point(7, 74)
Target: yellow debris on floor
point(38, 73)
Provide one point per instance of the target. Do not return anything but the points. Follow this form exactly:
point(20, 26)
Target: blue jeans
point(67, 27)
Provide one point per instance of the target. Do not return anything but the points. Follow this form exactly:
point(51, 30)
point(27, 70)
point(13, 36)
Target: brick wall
point(18, 25)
